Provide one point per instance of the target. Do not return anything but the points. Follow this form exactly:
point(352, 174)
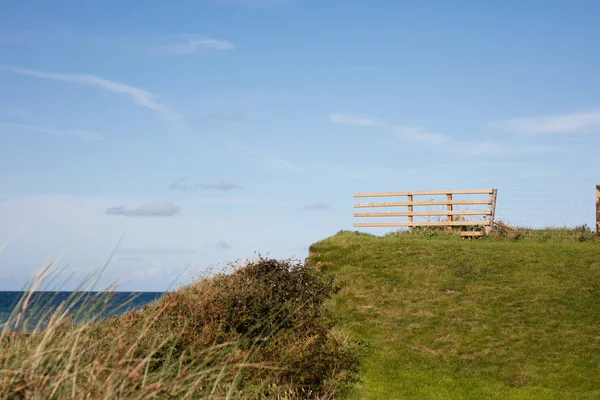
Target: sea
point(83, 305)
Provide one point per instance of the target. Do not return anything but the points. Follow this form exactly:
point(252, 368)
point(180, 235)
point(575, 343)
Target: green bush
point(262, 330)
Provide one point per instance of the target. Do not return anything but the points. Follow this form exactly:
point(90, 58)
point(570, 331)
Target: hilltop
point(427, 315)
point(443, 317)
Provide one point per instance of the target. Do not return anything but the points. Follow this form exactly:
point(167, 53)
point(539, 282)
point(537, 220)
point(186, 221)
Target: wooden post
point(410, 209)
point(492, 214)
point(449, 208)
point(598, 210)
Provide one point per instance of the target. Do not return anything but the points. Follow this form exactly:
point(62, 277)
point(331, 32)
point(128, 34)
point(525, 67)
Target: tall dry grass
point(262, 331)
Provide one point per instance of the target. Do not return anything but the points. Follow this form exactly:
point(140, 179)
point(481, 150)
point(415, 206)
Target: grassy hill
point(443, 317)
point(431, 315)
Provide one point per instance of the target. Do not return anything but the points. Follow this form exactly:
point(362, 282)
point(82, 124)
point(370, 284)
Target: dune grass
point(515, 315)
point(261, 331)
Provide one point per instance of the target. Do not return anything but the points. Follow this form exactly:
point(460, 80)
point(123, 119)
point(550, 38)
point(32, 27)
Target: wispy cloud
point(159, 209)
point(190, 44)
point(355, 120)
point(317, 207)
point(223, 245)
point(76, 133)
point(221, 186)
point(567, 123)
point(220, 116)
point(404, 132)
point(446, 144)
point(139, 96)
point(419, 134)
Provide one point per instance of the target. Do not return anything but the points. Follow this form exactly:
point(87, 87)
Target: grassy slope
point(453, 318)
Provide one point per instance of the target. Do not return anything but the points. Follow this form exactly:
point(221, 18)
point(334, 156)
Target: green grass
point(509, 316)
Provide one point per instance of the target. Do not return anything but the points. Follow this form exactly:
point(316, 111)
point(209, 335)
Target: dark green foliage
point(261, 331)
point(271, 311)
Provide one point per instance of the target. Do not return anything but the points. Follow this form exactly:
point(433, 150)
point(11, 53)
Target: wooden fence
point(454, 217)
point(598, 210)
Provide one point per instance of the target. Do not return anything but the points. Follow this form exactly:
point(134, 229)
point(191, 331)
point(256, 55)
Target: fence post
point(449, 208)
point(598, 210)
point(410, 209)
point(492, 215)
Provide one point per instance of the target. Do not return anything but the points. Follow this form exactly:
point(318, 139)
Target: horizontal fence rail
point(425, 223)
point(455, 218)
point(422, 213)
point(421, 203)
point(424, 192)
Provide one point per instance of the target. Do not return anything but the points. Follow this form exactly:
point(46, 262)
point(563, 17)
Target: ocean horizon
point(83, 304)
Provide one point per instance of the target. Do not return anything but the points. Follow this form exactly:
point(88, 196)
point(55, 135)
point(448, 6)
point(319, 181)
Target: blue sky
point(204, 131)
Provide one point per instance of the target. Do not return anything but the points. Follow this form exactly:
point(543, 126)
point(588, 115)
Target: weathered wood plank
point(420, 203)
point(449, 208)
point(440, 223)
point(410, 210)
point(598, 210)
point(423, 192)
point(492, 209)
point(421, 213)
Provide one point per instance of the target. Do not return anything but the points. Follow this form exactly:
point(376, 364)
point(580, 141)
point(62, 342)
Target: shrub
point(262, 330)
point(578, 234)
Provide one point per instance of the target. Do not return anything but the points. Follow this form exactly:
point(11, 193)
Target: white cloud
point(568, 123)
point(139, 96)
point(404, 132)
point(190, 44)
point(418, 134)
point(435, 140)
point(160, 209)
point(77, 133)
point(356, 120)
